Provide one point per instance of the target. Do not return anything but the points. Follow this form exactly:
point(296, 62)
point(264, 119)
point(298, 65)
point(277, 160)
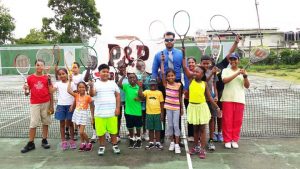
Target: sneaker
point(82, 147)
point(94, 137)
point(131, 143)
point(72, 144)
point(216, 137)
point(29, 146)
point(45, 144)
point(234, 145)
point(107, 137)
point(227, 145)
point(138, 143)
point(89, 147)
point(202, 154)
point(64, 145)
point(194, 150)
point(190, 139)
point(75, 135)
point(145, 137)
point(211, 145)
point(101, 151)
point(172, 146)
point(220, 137)
point(177, 149)
point(116, 149)
point(150, 146)
point(159, 146)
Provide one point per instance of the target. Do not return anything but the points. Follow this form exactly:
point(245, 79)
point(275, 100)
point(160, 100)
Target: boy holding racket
point(38, 85)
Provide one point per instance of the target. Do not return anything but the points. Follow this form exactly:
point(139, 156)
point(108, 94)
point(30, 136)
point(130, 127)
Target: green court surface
point(275, 153)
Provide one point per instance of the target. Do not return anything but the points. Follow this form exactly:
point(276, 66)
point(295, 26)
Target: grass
point(284, 72)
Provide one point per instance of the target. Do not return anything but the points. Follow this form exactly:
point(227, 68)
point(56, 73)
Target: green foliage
point(7, 25)
point(34, 37)
point(72, 18)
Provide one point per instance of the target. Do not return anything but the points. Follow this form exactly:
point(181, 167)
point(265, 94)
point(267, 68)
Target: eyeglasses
point(169, 40)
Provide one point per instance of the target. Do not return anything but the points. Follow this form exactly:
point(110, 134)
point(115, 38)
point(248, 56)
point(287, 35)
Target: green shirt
point(132, 107)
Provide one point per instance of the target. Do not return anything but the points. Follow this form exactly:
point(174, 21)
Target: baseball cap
point(152, 81)
point(234, 55)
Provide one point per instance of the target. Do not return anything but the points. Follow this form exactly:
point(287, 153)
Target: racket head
point(181, 22)
point(22, 64)
point(259, 53)
point(156, 31)
point(201, 40)
point(135, 50)
point(116, 56)
point(47, 56)
point(219, 23)
point(69, 60)
point(56, 53)
point(215, 47)
point(88, 57)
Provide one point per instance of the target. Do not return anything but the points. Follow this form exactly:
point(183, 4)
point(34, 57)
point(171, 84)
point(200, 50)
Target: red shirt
point(39, 90)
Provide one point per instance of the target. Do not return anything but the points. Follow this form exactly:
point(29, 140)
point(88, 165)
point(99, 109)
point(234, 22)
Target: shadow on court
point(253, 153)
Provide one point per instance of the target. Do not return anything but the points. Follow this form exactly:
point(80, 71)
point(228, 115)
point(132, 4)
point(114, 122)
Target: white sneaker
point(234, 145)
point(177, 149)
point(172, 146)
point(228, 145)
point(146, 136)
point(94, 137)
point(101, 151)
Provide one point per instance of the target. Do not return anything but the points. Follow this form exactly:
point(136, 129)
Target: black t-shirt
point(219, 84)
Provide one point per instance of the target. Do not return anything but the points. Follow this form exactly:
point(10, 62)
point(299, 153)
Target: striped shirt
point(172, 96)
point(105, 99)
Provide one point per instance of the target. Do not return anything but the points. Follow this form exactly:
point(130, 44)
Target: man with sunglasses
point(173, 60)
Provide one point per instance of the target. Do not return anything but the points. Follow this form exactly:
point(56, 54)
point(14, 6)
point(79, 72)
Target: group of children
point(105, 98)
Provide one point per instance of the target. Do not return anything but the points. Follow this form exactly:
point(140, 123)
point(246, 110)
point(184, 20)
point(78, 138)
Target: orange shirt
point(82, 102)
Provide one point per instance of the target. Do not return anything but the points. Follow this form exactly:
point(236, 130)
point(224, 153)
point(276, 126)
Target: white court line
point(13, 123)
point(188, 156)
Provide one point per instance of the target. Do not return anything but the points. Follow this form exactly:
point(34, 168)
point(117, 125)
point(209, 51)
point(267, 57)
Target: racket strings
point(46, 55)
point(22, 64)
point(219, 23)
point(157, 30)
point(181, 22)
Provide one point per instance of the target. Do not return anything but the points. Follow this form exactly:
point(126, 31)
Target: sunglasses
point(169, 40)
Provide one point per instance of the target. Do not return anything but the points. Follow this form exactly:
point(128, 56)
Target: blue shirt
point(177, 62)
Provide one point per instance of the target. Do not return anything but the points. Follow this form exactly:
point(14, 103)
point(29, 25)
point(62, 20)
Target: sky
point(132, 17)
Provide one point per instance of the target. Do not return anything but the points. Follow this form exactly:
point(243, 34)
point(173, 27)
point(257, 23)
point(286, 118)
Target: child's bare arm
point(180, 100)
point(162, 114)
point(118, 103)
point(162, 68)
point(210, 99)
point(120, 82)
point(70, 90)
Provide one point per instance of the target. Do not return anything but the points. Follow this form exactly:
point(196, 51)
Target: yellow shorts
point(104, 125)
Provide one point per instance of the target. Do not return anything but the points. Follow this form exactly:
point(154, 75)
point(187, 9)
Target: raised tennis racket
point(69, 60)
point(181, 24)
point(219, 23)
point(47, 56)
point(201, 40)
point(116, 57)
point(215, 47)
point(22, 64)
point(87, 38)
point(156, 31)
point(89, 58)
point(134, 51)
point(56, 53)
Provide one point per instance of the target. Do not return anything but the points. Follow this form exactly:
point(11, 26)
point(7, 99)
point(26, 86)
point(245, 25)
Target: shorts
point(62, 112)
point(103, 125)
point(80, 117)
point(133, 121)
point(153, 122)
point(38, 114)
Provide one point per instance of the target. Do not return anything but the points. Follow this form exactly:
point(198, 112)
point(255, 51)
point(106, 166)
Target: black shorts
point(133, 121)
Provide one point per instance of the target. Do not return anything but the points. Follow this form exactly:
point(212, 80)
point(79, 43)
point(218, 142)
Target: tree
point(72, 19)
point(34, 37)
point(7, 25)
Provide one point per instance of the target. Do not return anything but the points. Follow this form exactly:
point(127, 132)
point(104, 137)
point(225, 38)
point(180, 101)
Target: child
point(39, 105)
point(80, 115)
point(133, 110)
point(63, 113)
point(107, 108)
point(211, 79)
point(154, 113)
point(198, 111)
point(173, 105)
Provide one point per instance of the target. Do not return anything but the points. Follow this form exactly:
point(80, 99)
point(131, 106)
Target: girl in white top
point(63, 113)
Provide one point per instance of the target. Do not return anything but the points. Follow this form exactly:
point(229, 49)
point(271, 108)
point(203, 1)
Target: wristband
point(245, 76)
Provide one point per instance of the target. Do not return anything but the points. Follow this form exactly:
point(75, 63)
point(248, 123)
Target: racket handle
point(240, 38)
point(26, 89)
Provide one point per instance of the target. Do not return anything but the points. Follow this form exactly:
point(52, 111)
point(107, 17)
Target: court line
point(188, 156)
point(13, 123)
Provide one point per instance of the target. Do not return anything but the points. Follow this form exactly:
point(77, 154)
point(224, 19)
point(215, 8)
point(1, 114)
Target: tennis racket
point(89, 58)
point(156, 31)
point(219, 23)
point(215, 47)
point(22, 64)
point(202, 40)
point(134, 51)
point(87, 38)
point(181, 24)
point(56, 53)
point(69, 60)
point(116, 56)
point(47, 56)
